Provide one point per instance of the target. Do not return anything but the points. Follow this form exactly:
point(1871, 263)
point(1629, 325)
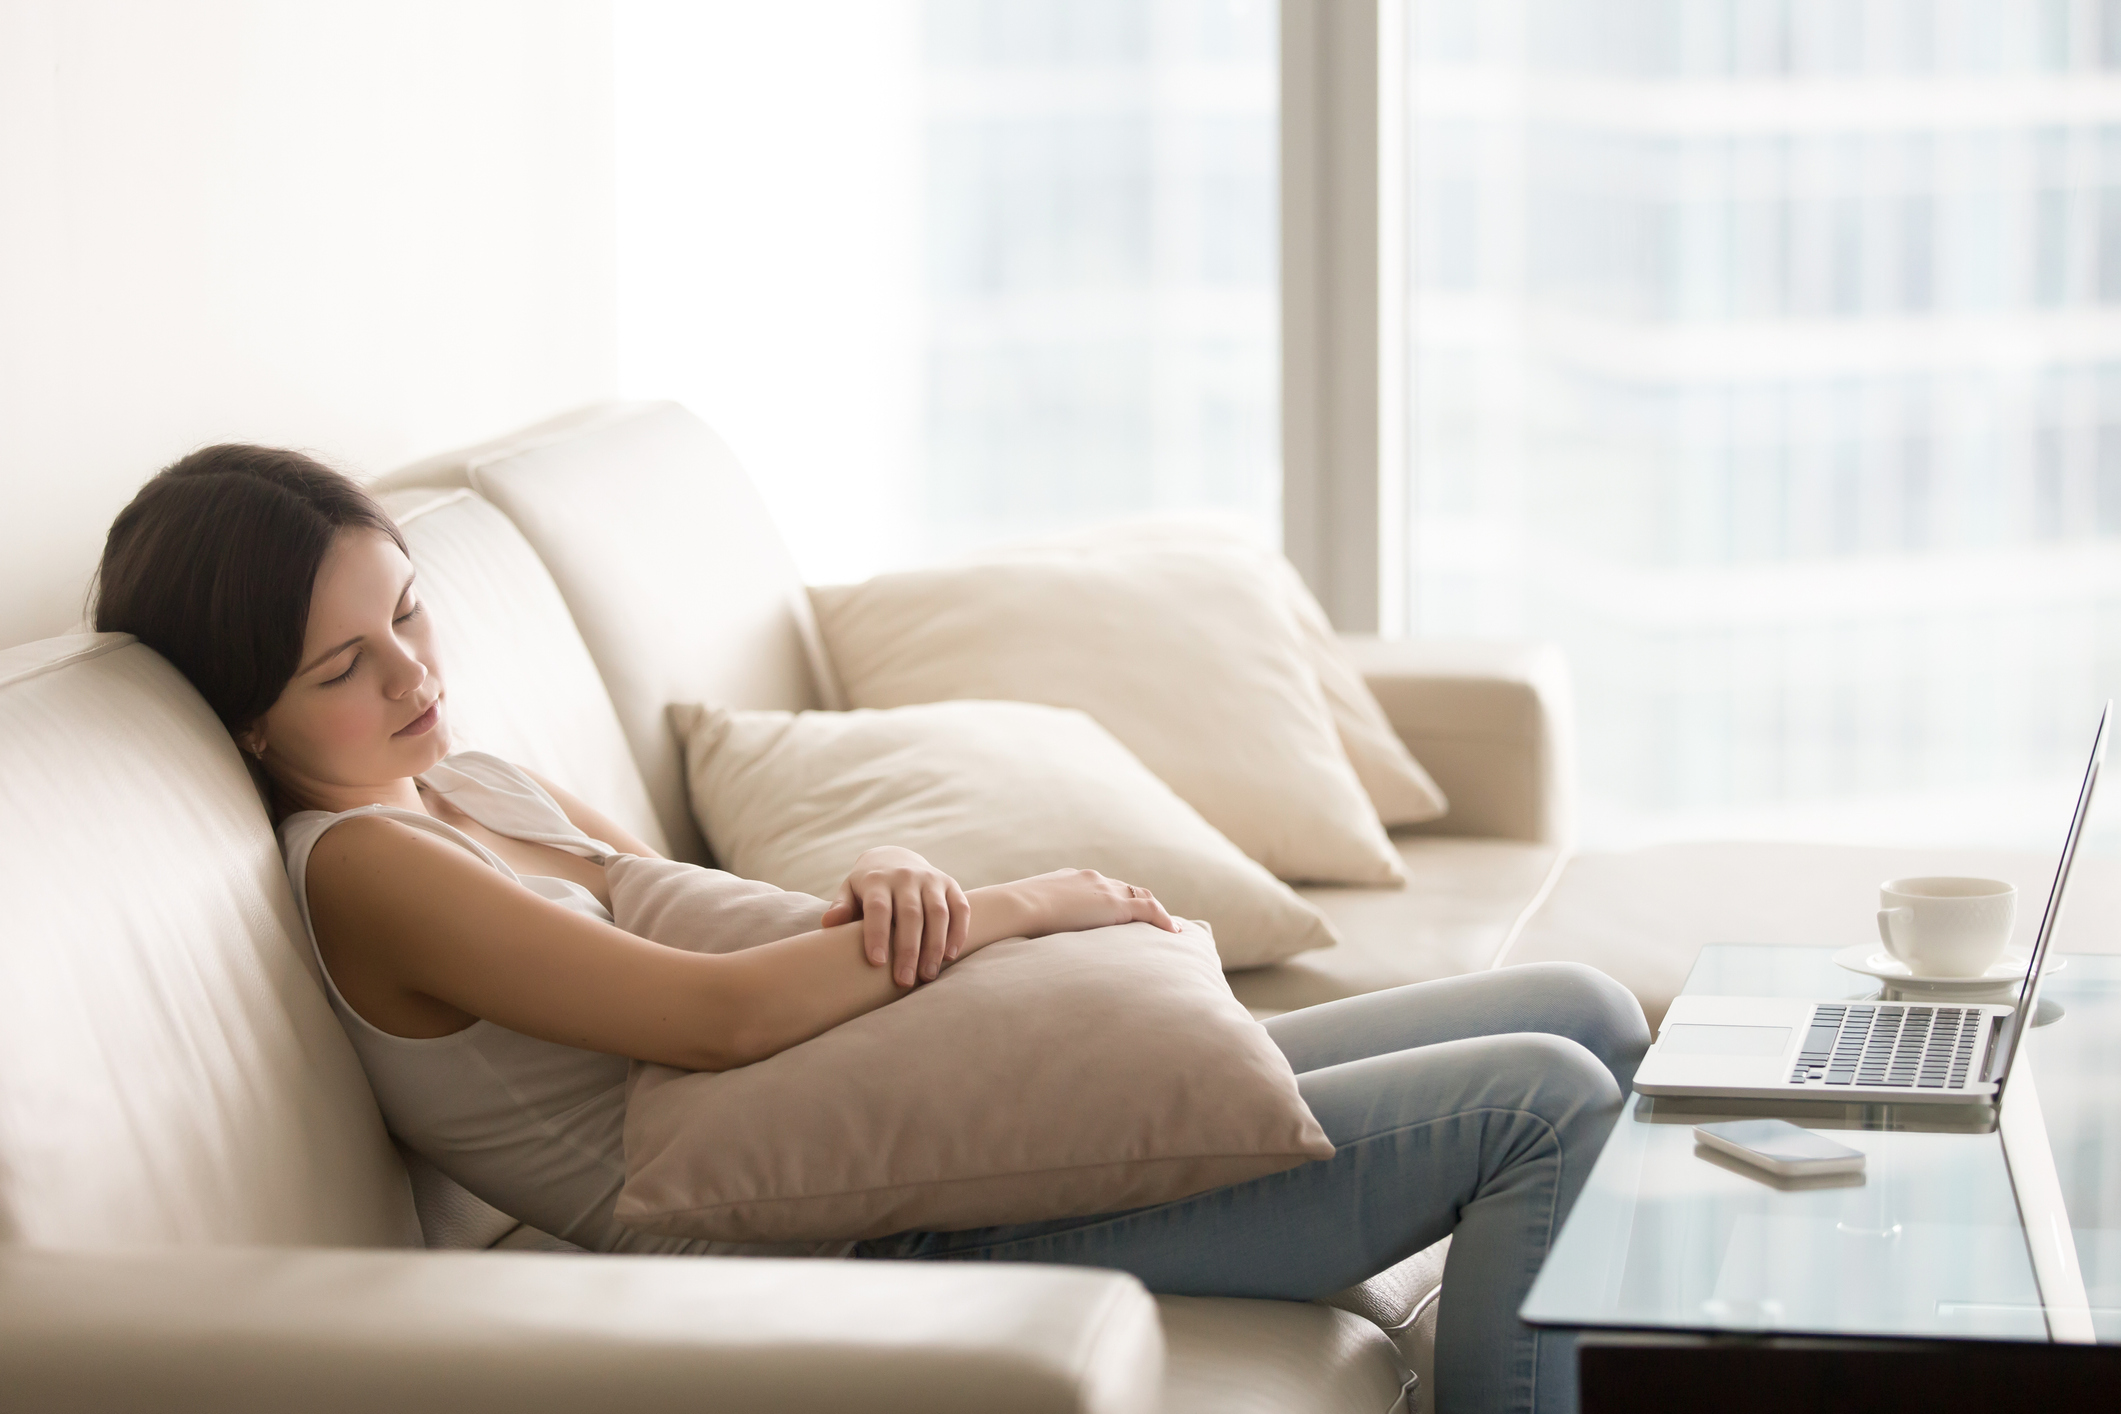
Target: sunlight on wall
point(373, 231)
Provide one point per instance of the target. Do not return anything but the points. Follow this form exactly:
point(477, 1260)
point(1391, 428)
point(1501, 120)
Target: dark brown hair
point(212, 565)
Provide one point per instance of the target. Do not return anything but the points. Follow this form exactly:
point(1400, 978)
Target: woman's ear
point(253, 741)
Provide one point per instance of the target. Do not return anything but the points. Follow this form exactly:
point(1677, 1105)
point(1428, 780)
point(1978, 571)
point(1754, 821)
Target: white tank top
point(532, 1127)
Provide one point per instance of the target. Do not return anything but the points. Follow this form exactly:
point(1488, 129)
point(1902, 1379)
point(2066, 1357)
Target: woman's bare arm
point(592, 821)
point(415, 927)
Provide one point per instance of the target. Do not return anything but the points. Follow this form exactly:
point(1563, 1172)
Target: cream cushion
point(1193, 661)
point(1128, 1076)
point(988, 792)
point(1396, 783)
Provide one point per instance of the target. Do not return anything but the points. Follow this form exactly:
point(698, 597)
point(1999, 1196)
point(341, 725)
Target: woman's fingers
point(1144, 908)
point(876, 924)
point(935, 928)
point(906, 929)
point(915, 921)
point(842, 909)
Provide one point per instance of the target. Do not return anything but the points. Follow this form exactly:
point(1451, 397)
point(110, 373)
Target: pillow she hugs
point(1038, 1078)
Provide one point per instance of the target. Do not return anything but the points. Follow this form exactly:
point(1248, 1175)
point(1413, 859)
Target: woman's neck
point(335, 799)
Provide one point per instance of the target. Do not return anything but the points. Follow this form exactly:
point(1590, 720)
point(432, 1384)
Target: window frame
point(1344, 286)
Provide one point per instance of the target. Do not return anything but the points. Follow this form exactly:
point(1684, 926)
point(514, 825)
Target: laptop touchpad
point(1724, 1040)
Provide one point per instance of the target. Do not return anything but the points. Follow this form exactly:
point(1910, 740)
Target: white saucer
point(1874, 961)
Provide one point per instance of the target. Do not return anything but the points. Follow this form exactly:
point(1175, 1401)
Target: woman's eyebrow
point(330, 653)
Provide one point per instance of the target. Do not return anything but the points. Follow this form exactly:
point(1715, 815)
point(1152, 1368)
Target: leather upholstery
point(1492, 722)
point(673, 571)
point(1403, 1301)
point(169, 1072)
point(1463, 901)
point(226, 1332)
point(1276, 1357)
point(521, 682)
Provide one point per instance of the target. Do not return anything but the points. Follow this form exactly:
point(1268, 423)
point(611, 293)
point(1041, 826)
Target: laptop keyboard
point(1916, 1047)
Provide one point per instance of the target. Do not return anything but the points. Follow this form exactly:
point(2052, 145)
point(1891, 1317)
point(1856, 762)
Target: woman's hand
point(913, 914)
point(1069, 900)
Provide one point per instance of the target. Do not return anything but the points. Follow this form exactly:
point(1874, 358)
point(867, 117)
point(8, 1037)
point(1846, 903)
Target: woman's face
point(365, 707)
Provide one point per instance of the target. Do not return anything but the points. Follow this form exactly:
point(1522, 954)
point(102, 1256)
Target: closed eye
point(410, 614)
point(334, 682)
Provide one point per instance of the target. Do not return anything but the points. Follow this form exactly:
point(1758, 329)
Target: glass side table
point(1926, 1244)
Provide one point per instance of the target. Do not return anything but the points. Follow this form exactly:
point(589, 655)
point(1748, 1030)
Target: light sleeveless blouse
point(530, 1126)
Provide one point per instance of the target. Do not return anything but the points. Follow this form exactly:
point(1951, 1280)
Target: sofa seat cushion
point(1642, 916)
point(1226, 1356)
point(1404, 1302)
point(1462, 900)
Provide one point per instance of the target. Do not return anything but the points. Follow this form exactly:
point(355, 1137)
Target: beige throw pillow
point(989, 792)
point(1195, 662)
point(1068, 1075)
point(1397, 785)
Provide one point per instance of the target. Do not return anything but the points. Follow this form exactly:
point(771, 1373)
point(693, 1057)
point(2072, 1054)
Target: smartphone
point(1780, 1147)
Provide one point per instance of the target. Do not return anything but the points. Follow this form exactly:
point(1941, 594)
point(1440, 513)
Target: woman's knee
point(1593, 1010)
point(1538, 1073)
point(1560, 1081)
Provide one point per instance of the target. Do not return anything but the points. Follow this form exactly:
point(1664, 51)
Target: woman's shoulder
point(359, 847)
point(369, 836)
point(299, 831)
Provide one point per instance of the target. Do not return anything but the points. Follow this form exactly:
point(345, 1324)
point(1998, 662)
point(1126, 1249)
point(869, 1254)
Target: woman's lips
point(422, 724)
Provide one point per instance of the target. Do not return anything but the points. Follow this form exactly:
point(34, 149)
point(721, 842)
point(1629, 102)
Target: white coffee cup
point(1946, 927)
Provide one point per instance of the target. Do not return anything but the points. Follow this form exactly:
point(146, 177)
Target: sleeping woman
point(460, 908)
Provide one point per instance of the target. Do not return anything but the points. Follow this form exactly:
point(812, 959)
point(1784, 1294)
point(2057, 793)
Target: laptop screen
point(2014, 1026)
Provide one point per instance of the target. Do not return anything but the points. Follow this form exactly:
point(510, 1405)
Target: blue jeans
point(1471, 1107)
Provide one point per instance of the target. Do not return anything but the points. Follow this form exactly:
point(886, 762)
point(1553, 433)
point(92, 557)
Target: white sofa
point(199, 1208)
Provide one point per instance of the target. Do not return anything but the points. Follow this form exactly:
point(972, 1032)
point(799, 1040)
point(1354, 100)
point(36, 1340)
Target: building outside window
point(1768, 355)
point(1101, 264)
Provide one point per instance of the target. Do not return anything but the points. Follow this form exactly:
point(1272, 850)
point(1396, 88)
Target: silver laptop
point(1773, 1047)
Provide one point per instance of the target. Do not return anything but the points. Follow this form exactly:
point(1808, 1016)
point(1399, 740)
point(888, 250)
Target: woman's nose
point(406, 676)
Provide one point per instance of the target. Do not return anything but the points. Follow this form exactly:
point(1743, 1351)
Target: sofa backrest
point(169, 1070)
point(670, 565)
point(520, 680)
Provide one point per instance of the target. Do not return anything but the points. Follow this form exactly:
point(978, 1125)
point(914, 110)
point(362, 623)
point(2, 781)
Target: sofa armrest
point(1490, 721)
point(340, 1330)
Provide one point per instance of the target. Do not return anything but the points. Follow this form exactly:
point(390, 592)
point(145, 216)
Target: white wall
point(373, 230)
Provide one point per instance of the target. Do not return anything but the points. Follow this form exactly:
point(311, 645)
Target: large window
point(1767, 353)
point(952, 271)
point(1764, 353)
